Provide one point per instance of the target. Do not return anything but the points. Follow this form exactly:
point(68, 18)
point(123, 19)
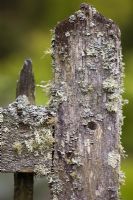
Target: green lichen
point(73, 174)
point(41, 142)
point(17, 147)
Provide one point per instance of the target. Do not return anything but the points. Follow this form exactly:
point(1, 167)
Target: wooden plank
point(87, 95)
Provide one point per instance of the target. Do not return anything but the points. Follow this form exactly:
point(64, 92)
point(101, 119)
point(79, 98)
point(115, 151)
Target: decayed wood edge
point(73, 162)
point(24, 182)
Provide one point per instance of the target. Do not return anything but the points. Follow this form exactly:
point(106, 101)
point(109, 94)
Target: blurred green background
point(25, 32)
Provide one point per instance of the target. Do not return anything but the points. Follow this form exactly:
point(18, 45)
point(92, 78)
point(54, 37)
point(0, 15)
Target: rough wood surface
point(26, 137)
point(87, 94)
point(26, 132)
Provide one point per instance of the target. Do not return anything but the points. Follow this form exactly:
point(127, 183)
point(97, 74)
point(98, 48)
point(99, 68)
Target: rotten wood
point(87, 94)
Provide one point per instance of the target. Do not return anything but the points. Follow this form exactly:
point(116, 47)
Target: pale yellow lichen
point(17, 146)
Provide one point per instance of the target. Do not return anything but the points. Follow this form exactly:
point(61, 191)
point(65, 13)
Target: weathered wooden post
point(88, 87)
point(75, 141)
point(23, 182)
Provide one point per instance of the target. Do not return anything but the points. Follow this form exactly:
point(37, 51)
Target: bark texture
point(87, 97)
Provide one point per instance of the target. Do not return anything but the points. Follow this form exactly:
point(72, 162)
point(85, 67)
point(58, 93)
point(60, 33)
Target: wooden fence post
point(23, 181)
point(87, 94)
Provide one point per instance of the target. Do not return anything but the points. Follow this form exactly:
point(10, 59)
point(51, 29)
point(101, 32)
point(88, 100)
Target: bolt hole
point(92, 125)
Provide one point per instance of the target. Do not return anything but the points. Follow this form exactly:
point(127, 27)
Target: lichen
point(17, 147)
point(67, 34)
point(29, 145)
point(85, 87)
point(121, 177)
point(113, 102)
point(41, 170)
point(41, 142)
point(48, 51)
point(1, 118)
point(113, 159)
point(80, 15)
point(29, 114)
point(72, 18)
point(45, 86)
point(110, 84)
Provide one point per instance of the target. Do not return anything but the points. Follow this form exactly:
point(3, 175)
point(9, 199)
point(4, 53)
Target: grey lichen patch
point(45, 86)
point(29, 145)
point(58, 95)
point(122, 177)
point(67, 34)
point(112, 106)
point(125, 102)
point(113, 159)
point(41, 170)
point(85, 87)
point(17, 147)
point(100, 34)
point(56, 183)
point(110, 84)
point(72, 18)
point(1, 118)
point(80, 15)
point(48, 52)
point(22, 112)
point(92, 24)
point(122, 151)
point(91, 52)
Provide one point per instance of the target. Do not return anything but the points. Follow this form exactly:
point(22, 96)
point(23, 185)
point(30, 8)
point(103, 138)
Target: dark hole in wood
point(92, 125)
point(69, 154)
point(59, 154)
